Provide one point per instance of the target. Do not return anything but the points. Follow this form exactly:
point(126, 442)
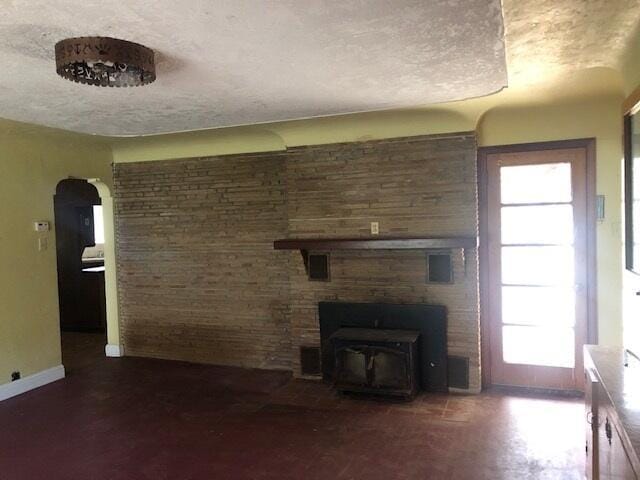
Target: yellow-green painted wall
point(279, 136)
point(32, 161)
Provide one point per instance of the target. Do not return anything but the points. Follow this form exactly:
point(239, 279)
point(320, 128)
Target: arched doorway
point(83, 210)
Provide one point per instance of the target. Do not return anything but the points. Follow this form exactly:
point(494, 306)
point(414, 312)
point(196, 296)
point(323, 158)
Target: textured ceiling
point(547, 38)
point(233, 62)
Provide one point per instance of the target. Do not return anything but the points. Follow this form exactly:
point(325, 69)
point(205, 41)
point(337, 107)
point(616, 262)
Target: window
point(98, 224)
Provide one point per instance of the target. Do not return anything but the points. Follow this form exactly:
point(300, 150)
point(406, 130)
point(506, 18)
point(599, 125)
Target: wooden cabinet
point(591, 391)
point(607, 457)
point(613, 460)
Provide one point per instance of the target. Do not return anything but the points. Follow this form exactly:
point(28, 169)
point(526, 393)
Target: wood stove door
point(374, 367)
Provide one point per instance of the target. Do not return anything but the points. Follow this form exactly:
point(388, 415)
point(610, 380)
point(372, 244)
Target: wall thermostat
point(41, 226)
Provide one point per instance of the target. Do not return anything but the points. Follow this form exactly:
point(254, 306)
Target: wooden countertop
point(98, 269)
point(622, 384)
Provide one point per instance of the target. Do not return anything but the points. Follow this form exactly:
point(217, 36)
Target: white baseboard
point(36, 380)
point(113, 350)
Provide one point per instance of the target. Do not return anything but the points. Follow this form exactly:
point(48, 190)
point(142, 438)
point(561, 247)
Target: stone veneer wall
point(197, 276)
point(199, 279)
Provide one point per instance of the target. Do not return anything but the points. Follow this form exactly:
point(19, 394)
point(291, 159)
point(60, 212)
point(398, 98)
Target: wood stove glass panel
point(390, 369)
point(353, 366)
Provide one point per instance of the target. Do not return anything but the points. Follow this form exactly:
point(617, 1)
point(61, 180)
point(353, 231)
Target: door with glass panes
point(537, 267)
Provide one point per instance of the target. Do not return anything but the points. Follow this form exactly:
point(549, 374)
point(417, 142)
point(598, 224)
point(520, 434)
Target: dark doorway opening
point(79, 231)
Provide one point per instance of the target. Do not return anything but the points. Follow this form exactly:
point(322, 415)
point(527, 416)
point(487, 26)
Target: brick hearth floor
point(136, 419)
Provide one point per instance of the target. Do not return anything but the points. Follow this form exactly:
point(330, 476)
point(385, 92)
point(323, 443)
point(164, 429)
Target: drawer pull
point(607, 429)
point(590, 420)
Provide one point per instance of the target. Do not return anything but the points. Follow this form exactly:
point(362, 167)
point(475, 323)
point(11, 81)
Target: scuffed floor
point(138, 419)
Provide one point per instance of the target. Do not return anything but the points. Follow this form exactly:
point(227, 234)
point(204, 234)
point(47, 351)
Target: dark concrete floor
point(136, 419)
point(80, 350)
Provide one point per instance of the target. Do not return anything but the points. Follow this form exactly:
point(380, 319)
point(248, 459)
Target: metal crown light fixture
point(105, 62)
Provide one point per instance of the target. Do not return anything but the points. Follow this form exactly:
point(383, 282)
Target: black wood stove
point(376, 361)
point(419, 326)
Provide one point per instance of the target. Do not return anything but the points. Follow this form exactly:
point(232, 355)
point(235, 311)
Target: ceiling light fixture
point(105, 62)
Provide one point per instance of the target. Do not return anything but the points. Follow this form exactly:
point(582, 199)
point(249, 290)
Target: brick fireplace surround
point(198, 277)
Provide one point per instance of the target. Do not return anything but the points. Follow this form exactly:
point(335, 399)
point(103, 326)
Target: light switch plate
point(42, 244)
point(375, 228)
point(600, 207)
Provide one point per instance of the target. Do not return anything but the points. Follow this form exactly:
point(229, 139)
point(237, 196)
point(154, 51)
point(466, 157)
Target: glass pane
point(539, 306)
point(352, 366)
point(549, 347)
point(551, 224)
point(549, 182)
point(635, 226)
point(537, 266)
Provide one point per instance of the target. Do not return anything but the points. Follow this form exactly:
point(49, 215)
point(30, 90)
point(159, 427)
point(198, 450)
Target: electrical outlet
point(42, 244)
point(41, 226)
point(15, 376)
point(375, 228)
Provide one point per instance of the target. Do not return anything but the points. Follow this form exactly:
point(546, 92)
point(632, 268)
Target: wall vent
point(439, 267)
point(458, 369)
point(319, 267)
point(310, 360)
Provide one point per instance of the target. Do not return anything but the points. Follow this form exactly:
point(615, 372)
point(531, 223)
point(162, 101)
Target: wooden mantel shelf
point(375, 243)
point(307, 245)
